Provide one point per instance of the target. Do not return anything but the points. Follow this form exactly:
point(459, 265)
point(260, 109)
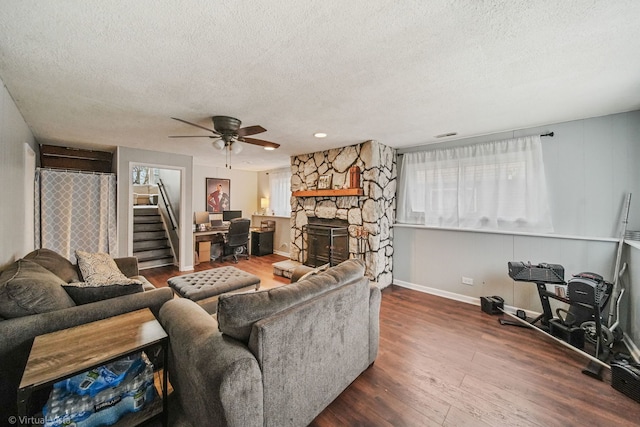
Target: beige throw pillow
point(99, 269)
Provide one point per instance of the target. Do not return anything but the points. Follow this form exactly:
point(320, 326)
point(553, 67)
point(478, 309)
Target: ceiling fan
point(227, 131)
point(229, 135)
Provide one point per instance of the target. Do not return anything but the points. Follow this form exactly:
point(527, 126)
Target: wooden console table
point(68, 352)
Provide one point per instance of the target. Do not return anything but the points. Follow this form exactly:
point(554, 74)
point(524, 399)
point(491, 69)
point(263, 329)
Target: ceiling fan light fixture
point(236, 147)
point(219, 144)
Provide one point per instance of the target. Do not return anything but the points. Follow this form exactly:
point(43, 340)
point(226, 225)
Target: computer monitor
point(201, 218)
point(229, 215)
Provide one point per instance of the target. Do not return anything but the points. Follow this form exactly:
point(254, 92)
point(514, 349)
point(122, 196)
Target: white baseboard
point(287, 254)
point(438, 292)
point(457, 297)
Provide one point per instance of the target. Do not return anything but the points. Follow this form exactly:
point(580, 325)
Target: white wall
point(172, 184)
point(125, 158)
point(14, 133)
point(590, 165)
point(242, 191)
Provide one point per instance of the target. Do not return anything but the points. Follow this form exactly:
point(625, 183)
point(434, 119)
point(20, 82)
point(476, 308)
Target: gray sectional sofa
point(272, 358)
point(33, 302)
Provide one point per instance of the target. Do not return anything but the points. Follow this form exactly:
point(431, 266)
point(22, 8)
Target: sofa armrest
point(26, 328)
point(128, 266)
point(375, 297)
point(214, 377)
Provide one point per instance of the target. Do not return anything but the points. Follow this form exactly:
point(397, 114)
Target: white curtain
point(280, 192)
point(75, 210)
point(498, 185)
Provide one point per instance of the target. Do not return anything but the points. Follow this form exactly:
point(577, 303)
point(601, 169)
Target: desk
point(202, 241)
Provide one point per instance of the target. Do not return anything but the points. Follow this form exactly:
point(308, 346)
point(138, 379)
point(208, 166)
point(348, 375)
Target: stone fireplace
point(368, 215)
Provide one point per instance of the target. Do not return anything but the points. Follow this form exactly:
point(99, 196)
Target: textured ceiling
point(105, 73)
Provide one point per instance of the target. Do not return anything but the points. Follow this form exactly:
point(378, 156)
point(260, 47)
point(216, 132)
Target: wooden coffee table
point(68, 352)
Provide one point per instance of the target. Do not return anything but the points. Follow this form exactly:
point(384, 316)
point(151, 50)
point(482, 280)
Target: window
point(280, 192)
point(498, 185)
point(144, 175)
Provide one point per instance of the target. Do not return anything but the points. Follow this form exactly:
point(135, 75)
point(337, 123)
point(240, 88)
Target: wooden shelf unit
point(330, 193)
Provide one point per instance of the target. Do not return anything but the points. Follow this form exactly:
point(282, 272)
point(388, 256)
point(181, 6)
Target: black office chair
point(237, 239)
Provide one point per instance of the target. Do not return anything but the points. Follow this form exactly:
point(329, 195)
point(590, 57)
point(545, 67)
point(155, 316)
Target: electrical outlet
point(467, 281)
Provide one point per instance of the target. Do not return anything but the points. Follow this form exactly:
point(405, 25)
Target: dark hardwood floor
point(445, 363)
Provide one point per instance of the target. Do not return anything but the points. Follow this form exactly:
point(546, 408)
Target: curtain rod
point(549, 134)
point(76, 171)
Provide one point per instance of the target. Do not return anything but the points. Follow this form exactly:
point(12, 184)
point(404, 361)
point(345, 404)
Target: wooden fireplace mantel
point(329, 193)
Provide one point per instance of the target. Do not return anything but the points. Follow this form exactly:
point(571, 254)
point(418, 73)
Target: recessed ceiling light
point(320, 135)
point(444, 135)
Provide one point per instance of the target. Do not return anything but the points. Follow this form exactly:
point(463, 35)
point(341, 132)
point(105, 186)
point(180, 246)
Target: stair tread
point(149, 239)
point(154, 258)
point(155, 248)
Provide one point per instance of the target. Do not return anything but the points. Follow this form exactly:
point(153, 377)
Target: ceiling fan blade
point(251, 130)
point(260, 142)
point(196, 125)
point(193, 136)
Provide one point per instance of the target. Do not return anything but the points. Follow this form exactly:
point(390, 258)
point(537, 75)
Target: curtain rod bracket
point(550, 134)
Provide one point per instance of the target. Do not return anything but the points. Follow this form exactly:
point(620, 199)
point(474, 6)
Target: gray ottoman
point(206, 286)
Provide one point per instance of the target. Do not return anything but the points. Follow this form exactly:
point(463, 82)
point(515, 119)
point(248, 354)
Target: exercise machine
point(587, 295)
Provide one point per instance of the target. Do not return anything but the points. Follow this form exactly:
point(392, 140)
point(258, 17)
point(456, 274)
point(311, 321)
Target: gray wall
point(590, 165)
point(631, 301)
point(14, 133)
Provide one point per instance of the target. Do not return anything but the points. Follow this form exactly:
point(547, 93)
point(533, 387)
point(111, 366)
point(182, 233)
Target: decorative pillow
point(85, 293)
point(55, 263)
point(99, 269)
point(28, 288)
point(314, 272)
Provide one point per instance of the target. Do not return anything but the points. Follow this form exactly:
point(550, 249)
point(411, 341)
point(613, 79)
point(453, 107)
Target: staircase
point(150, 241)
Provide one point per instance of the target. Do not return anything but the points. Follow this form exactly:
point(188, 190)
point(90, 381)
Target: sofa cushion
point(55, 263)
point(99, 269)
point(85, 293)
point(238, 312)
point(28, 288)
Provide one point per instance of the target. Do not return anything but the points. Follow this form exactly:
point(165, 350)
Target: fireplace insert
point(324, 244)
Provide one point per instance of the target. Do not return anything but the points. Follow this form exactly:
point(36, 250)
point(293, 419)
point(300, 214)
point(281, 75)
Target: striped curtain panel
point(75, 210)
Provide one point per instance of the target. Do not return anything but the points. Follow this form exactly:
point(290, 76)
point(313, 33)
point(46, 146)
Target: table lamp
point(264, 204)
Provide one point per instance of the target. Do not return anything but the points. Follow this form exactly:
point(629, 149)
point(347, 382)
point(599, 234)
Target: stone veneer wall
point(374, 211)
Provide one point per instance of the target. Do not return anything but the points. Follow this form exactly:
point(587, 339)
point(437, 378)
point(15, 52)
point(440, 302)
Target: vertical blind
point(498, 185)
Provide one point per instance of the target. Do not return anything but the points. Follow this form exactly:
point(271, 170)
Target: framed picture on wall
point(218, 194)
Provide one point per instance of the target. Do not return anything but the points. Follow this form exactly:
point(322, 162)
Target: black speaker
point(625, 377)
